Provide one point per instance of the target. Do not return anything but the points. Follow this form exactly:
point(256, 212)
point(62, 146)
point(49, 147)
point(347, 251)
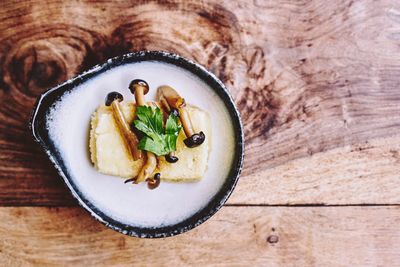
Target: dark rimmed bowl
point(41, 135)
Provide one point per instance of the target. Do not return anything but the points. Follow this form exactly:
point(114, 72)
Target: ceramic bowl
point(41, 135)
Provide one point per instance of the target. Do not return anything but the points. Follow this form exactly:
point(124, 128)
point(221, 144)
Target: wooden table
point(318, 87)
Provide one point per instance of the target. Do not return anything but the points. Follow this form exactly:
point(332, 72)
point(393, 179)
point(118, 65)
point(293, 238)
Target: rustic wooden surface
point(236, 236)
point(318, 87)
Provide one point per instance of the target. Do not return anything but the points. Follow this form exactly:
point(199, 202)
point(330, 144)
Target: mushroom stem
point(139, 96)
point(130, 139)
point(148, 168)
point(186, 122)
point(165, 104)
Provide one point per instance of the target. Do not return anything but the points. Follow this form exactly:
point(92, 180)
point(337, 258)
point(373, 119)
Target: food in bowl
point(150, 141)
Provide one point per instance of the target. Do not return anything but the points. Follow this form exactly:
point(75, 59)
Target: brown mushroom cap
point(173, 99)
point(195, 140)
point(113, 96)
point(138, 82)
point(154, 182)
point(171, 158)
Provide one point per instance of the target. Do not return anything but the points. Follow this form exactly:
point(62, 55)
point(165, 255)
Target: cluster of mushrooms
point(170, 102)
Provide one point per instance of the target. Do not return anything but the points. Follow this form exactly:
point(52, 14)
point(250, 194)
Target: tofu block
point(109, 155)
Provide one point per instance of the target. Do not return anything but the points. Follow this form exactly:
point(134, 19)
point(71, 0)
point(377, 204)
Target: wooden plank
point(361, 174)
point(236, 236)
point(314, 82)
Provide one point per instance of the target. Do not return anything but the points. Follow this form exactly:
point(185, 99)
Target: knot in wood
point(272, 239)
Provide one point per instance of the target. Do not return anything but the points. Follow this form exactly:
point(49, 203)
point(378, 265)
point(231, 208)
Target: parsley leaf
point(158, 140)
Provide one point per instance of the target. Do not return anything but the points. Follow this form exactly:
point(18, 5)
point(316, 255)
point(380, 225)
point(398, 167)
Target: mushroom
point(171, 157)
point(172, 101)
point(154, 182)
point(139, 88)
point(130, 139)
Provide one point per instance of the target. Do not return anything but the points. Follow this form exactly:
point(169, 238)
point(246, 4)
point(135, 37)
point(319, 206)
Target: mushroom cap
point(171, 159)
point(113, 96)
point(155, 182)
point(138, 82)
point(195, 140)
point(171, 96)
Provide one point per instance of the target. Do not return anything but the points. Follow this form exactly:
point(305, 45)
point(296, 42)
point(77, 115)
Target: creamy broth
point(69, 121)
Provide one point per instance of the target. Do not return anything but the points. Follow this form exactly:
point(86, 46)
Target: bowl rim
point(215, 203)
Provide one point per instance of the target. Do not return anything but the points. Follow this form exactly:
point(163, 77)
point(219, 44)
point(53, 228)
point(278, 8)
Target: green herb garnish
point(157, 139)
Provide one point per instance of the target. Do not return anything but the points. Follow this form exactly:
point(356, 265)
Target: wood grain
point(236, 236)
point(339, 176)
point(316, 84)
